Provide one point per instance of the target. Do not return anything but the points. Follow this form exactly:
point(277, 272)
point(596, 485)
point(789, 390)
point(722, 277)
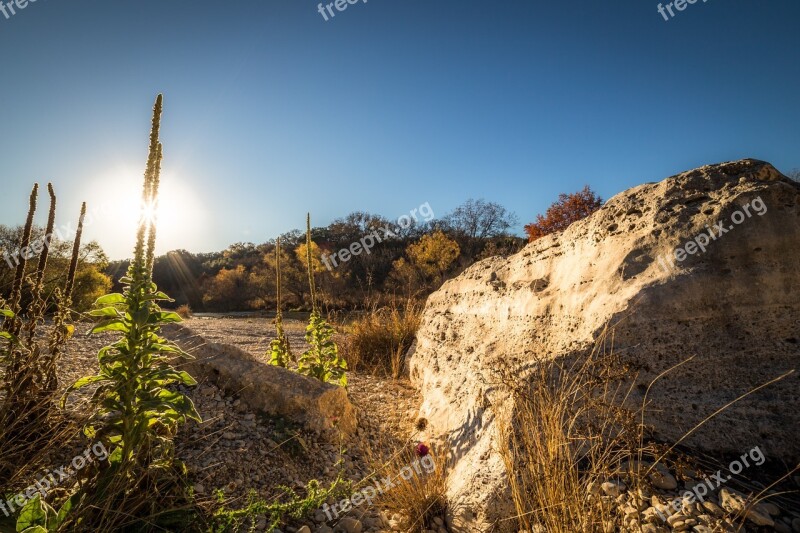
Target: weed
point(138, 406)
point(322, 359)
point(379, 341)
point(29, 381)
point(294, 507)
point(280, 349)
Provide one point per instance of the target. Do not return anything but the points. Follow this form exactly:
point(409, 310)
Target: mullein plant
point(30, 380)
point(322, 360)
point(138, 406)
point(280, 349)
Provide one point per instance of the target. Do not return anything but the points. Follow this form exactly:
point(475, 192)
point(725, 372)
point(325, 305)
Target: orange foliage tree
point(568, 209)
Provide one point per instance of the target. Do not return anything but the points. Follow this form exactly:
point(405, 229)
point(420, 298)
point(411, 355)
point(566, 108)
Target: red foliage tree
point(568, 209)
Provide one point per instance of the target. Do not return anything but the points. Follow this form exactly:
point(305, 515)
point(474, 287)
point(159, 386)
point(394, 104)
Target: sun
point(114, 208)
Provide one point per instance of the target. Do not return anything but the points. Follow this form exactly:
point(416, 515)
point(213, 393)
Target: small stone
point(324, 528)
point(663, 480)
point(796, 525)
point(713, 508)
point(735, 503)
point(199, 489)
point(613, 488)
point(349, 525)
point(770, 508)
point(780, 527)
point(304, 529)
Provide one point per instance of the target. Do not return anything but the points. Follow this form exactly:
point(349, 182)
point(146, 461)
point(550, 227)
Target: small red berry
point(422, 450)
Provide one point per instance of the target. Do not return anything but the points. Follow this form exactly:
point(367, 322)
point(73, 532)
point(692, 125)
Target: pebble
point(663, 480)
point(735, 503)
point(349, 525)
point(613, 488)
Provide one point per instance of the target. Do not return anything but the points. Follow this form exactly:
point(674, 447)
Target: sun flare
point(115, 209)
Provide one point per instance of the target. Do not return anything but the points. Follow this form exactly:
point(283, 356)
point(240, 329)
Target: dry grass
point(420, 484)
point(564, 437)
point(566, 433)
point(378, 342)
point(184, 311)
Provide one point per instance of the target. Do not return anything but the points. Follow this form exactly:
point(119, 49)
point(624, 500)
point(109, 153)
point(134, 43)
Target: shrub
point(184, 311)
point(378, 341)
point(568, 209)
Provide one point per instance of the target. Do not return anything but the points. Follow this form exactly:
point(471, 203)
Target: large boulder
point(730, 300)
point(270, 389)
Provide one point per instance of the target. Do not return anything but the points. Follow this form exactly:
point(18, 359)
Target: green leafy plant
point(39, 517)
point(322, 360)
point(293, 507)
point(280, 349)
point(138, 408)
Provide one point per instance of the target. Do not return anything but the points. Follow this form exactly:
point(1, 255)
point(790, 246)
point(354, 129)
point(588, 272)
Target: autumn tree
point(433, 254)
point(228, 290)
point(568, 209)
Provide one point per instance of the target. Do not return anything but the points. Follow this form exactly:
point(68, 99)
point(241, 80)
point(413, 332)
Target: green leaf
point(8, 313)
point(83, 382)
point(114, 324)
point(71, 502)
point(157, 296)
point(33, 515)
point(165, 317)
point(106, 311)
point(110, 299)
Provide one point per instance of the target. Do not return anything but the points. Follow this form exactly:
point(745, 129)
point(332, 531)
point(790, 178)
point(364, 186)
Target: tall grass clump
point(378, 341)
point(417, 483)
point(322, 359)
point(138, 399)
point(29, 422)
point(562, 438)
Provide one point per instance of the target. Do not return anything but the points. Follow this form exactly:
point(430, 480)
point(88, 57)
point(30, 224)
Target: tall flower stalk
point(322, 360)
point(138, 406)
point(29, 381)
point(280, 349)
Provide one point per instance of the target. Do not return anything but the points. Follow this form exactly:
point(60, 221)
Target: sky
point(272, 111)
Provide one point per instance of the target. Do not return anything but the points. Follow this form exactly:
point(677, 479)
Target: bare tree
point(794, 174)
point(479, 219)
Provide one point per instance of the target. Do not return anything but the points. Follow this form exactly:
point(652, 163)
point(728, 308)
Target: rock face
point(273, 390)
point(730, 300)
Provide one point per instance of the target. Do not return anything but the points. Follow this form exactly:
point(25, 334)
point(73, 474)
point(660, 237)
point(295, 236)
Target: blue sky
point(271, 111)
